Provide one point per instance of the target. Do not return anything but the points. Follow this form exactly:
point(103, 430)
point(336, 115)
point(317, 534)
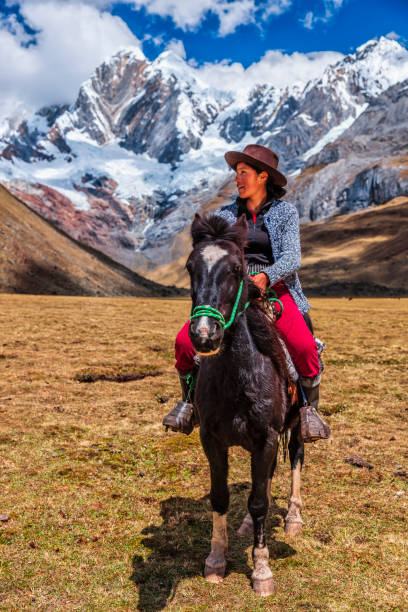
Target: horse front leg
point(261, 463)
point(216, 563)
point(247, 526)
point(293, 520)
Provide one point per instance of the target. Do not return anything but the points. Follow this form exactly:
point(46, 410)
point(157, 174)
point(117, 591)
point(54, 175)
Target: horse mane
point(266, 337)
point(211, 227)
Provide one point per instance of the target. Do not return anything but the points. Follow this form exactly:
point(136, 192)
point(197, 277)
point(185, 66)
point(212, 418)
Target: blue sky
point(49, 47)
point(340, 26)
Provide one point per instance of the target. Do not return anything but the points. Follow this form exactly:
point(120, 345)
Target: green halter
point(209, 311)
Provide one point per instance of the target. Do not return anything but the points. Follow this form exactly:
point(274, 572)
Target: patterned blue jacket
point(282, 223)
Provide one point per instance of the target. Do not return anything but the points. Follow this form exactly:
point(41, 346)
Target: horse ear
point(241, 229)
point(199, 229)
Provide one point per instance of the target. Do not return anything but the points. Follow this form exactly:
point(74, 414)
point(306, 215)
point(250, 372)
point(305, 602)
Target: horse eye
point(237, 268)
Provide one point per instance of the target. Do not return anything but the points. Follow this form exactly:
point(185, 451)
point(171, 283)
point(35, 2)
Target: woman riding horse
point(272, 257)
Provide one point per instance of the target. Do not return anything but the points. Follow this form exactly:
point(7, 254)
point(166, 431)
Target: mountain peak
point(375, 66)
point(131, 52)
point(381, 46)
point(171, 63)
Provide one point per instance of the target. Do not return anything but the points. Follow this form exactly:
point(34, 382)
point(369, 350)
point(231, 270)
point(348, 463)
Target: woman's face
point(249, 182)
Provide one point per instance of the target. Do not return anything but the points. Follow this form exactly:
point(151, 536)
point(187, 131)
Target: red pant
point(291, 326)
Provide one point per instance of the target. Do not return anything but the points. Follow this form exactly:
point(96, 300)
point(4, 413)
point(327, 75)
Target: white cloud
point(276, 7)
point(177, 47)
point(329, 9)
point(188, 14)
point(158, 40)
point(73, 39)
point(233, 14)
point(10, 24)
point(393, 36)
point(99, 4)
point(308, 20)
point(275, 68)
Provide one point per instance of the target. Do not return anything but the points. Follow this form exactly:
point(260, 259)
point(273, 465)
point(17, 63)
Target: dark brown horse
point(241, 390)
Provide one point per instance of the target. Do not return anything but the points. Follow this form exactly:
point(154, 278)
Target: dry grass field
point(106, 512)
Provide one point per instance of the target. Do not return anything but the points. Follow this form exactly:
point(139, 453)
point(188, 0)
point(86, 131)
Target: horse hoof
point(214, 574)
point(263, 587)
point(293, 528)
point(247, 527)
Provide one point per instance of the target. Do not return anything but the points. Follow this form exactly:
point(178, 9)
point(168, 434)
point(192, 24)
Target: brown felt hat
point(260, 157)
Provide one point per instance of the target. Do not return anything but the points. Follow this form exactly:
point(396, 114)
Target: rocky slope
point(124, 168)
point(366, 165)
point(37, 258)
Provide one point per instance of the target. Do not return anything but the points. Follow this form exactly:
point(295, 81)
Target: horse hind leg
point(247, 526)
point(293, 520)
point(215, 563)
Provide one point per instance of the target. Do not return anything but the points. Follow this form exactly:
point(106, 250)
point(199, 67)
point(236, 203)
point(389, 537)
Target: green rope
point(274, 297)
point(208, 311)
point(268, 291)
point(191, 380)
point(234, 310)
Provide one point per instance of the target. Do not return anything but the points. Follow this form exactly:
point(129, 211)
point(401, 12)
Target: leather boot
point(312, 394)
point(312, 426)
point(183, 417)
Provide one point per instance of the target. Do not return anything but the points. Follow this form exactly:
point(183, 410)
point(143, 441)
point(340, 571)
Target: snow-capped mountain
point(124, 168)
point(367, 164)
point(330, 105)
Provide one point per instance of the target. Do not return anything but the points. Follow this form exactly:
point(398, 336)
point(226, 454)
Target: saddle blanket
point(293, 373)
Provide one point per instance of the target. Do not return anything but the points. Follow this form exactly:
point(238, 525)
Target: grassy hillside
point(364, 252)
point(37, 258)
point(107, 512)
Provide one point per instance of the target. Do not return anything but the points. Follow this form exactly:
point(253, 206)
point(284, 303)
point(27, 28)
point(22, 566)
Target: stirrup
point(181, 418)
point(312, 426)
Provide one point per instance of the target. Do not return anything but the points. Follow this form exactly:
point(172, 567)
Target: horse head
point(218, 274)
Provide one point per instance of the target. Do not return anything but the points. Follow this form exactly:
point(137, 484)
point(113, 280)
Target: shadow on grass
point(181, 543)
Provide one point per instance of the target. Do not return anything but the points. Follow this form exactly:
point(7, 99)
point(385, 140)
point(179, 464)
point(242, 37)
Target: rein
point(208, 311)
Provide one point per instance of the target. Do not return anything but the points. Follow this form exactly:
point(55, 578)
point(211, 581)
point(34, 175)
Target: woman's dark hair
point(274, 191)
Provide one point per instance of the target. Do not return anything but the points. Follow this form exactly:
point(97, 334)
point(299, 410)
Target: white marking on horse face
point(211, 254)
point(203, 326)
